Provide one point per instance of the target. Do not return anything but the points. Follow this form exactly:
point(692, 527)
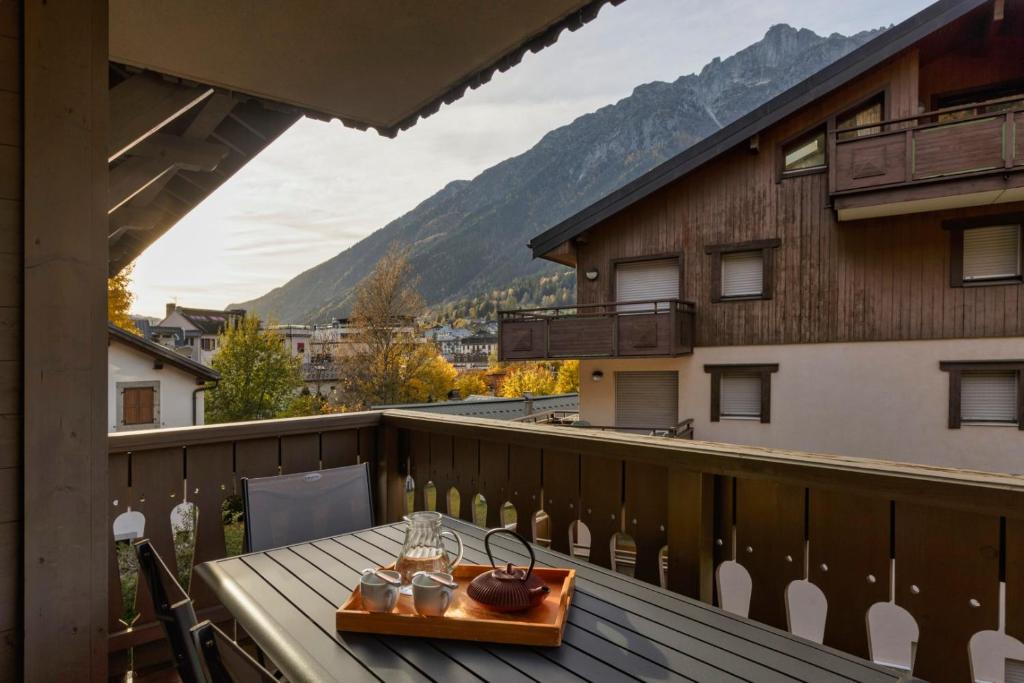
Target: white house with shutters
point(151, 386)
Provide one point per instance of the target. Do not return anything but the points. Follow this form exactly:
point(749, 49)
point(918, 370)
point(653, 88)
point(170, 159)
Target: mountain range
point(468, 241)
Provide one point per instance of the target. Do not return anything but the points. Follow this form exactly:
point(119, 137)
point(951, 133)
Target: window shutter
point(992, 252)
point(646, 399)
point(645, 281)
point(988, 396)
point(145, 405)
point(130, 406)
point(743, 273)
point(740, 394)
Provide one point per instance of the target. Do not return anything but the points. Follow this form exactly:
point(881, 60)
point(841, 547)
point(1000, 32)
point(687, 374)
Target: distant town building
point(151, 386)
point(193, 331)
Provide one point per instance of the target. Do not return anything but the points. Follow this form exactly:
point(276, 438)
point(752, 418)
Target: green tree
point(568, 379)
point(258, 377)
point(304, 403)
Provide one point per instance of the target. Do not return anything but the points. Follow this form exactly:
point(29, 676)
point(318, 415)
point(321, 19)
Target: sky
point(321, 187)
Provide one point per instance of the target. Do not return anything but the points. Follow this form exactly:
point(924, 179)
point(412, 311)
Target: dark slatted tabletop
point(619, 628)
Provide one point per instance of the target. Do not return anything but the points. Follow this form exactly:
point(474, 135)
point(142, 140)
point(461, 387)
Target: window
point(138, 405)
point(741, 271)
point(646, 400)
point(992, 253)
point(985, 392)
point(742, 274)
point(869, 112)
point(741, 392)
point(804, 154)
point(979, 97)
point(986, 250)
point(208, 344)
point(301, 347)
point(651, 280)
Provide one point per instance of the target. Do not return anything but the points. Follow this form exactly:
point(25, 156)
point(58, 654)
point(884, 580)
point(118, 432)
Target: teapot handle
point(499, 530)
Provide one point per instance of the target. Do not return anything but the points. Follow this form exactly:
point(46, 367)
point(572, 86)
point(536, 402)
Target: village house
point(838, 271)
point(151, 386)
point(195, 331)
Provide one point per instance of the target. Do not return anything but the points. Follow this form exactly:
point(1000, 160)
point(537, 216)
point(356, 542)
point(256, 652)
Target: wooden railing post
point(691, 533)
point(390, 484)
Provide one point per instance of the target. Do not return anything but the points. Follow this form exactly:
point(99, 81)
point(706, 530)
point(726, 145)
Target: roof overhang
point(551, 244)
point(199, 88)
point(162, 354)
point(380, 64)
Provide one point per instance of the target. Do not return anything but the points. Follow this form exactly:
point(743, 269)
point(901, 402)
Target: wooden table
point(619, 628)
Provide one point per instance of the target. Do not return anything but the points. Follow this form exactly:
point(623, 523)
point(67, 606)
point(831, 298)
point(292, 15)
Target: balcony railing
point(940, 543)
point(967, 141)
point(607, 330)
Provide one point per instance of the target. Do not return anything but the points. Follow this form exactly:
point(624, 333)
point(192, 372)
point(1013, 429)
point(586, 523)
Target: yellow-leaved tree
point(533, 379)
point(568, 380)
point(119, 300)
point(470, 383)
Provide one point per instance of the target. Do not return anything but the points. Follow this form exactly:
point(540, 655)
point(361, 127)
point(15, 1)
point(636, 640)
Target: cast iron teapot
point(510, 589)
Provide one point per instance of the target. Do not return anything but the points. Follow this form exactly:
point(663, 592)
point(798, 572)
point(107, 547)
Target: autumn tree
point(391, 362)
point(119, 300)
point(258, 377)
point(568, 379)
point(533, 379)
point(470, 383)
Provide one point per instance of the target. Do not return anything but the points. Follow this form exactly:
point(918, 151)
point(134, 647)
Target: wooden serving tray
point(467, 619)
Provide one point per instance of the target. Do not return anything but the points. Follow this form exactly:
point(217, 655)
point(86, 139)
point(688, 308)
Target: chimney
point(171, 307)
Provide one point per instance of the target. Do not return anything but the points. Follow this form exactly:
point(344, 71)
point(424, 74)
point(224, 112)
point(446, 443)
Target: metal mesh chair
point(223, 660)
point(294, 508)
point(173, 610)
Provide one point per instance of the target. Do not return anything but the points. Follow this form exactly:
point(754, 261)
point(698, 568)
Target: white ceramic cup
point(432, 596)
point(378, 594)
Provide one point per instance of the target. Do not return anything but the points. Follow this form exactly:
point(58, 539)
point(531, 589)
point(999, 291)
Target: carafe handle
point(458, 539)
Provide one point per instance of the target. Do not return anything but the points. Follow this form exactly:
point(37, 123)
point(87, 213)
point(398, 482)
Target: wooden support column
point(65, 364)
point(691, 533)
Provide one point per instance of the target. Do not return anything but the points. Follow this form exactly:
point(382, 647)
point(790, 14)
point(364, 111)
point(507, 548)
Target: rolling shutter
point(740, 394)
point(647, 400)
point(743, 273)
point(992, 252)
point(645, 281)
point(988, 396)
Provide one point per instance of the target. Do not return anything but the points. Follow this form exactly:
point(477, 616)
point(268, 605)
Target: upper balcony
point(961, 156)
point(609, 330)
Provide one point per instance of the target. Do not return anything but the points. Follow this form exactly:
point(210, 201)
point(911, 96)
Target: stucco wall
point(881, 400)
point(127, 365)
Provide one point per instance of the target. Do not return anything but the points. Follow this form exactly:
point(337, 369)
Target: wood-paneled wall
point(10, 338)
point(872, 280)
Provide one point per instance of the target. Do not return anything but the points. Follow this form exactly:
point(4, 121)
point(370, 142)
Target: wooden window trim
point(956, 230)
point(614, 263)
point(956, 368)
point(829, 126)
point(767, 249)
point(766, 370)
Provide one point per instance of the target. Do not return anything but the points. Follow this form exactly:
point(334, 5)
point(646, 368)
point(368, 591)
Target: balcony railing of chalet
point(970, 140)
point(940, 543)
point(606, 330)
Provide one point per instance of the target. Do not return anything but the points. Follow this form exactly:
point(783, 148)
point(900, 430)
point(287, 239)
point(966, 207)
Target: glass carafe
point(423, 549)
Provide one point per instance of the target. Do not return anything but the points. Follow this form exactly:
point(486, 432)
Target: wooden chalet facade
point(856, 232)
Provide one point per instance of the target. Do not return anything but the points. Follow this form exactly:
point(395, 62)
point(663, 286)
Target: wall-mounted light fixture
point(597, 376)
point(591, 274)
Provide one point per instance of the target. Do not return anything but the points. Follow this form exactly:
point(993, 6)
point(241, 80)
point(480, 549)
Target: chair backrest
point(806, 610)
point(996, 657)
point(223, 660)
point(293, 508)
point(892, 636)
point(734, 587)
point(173, 610)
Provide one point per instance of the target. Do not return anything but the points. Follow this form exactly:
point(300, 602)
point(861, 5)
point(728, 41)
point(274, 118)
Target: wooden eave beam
point(142, 105)
point(163, 156)
point(188, 153)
